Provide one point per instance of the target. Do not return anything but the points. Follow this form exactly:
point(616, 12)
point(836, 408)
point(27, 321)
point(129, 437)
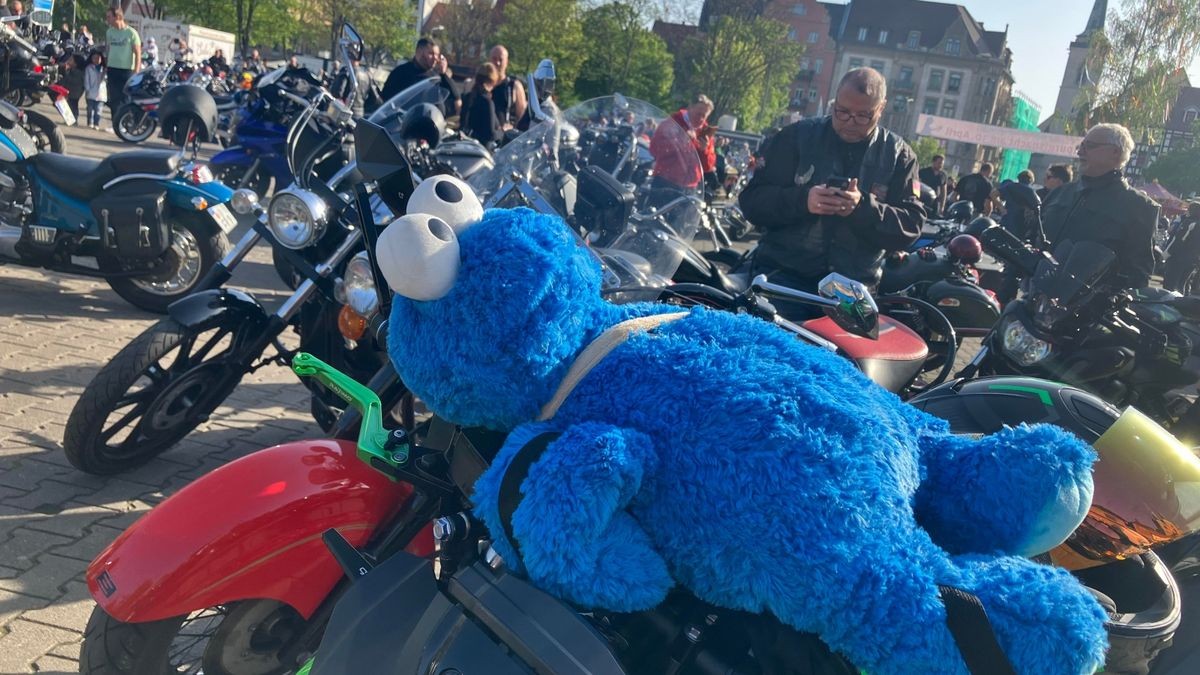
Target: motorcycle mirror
point(381, 160)
point(855, 310)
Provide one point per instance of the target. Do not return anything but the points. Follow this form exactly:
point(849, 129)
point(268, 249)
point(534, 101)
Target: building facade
point(937, 60)
point(1178, 133)
point(810, 23)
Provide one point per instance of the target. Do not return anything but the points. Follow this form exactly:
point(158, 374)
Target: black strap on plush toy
point(968, 623)
point(510, 485)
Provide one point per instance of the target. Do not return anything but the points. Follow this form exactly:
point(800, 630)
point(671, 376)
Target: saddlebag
point(130, 216)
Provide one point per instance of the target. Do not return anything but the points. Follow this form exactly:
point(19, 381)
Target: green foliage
point(744, 65)
point(1178, 170)
point(926, 147)
point(622, 56)
point(544, 29)
point(1140, 60)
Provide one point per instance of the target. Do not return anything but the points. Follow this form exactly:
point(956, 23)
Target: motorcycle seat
point(891, 361)
point(84, 178)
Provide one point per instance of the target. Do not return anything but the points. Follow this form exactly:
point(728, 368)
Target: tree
point(744, 65)
point(925, 148)
point(622, 56)
point(1143, 54)
point(1178, 170)
point(544, 29)
point(468, 26)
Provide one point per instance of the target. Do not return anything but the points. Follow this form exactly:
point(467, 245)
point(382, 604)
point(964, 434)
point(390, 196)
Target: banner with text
point(1055, 145)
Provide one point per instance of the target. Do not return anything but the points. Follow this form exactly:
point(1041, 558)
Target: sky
point(1039, 34)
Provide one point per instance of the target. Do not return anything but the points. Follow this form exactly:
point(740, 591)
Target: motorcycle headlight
point(296, 217)
point(357, 289)
point(1023, 346)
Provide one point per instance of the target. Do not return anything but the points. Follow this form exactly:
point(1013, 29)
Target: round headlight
point(296, 218)
point(243, 200)
point(357, 289)
point(1022, 346)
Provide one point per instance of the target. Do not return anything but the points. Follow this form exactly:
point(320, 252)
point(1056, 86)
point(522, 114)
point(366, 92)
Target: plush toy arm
point(574, 536)
point(1020, 491)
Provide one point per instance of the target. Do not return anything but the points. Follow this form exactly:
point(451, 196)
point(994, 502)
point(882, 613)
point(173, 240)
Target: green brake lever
point(374, 442)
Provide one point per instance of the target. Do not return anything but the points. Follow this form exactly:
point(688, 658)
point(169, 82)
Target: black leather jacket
point(1108, 211)
point(808, 246)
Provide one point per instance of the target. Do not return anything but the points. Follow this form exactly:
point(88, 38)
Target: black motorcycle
point(1075, 326)
point(948, 279)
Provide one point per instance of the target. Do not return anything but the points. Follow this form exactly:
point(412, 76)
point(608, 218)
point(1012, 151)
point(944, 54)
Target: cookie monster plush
point(721, 453)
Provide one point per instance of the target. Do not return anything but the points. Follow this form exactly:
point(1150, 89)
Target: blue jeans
point(93, 112)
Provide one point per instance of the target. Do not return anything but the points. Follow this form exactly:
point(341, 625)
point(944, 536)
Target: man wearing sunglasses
point(837, 193)
point(1102, 207)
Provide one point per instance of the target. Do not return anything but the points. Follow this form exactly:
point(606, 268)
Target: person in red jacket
point(672, 170)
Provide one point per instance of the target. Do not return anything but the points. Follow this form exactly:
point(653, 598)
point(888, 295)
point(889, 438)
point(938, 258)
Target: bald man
point(509, 95)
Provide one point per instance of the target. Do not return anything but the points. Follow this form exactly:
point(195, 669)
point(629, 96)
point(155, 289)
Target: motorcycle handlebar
point(1012, 251)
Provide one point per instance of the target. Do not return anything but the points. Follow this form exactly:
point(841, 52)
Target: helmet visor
point(1147, 493)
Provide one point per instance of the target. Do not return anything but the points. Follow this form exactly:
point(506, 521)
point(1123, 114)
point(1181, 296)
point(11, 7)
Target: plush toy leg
point(1044, 620)
point(1020, 491)
point(576, 540)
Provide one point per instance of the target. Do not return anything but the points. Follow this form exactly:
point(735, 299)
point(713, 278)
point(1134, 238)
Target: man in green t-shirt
point(124, 57)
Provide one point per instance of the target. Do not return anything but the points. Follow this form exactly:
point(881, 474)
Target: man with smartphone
point(837, 193)
point(427, 61)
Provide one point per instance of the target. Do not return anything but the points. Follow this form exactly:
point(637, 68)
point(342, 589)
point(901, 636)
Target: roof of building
point(1188, 99)
point(674, 34)
point(930, 19)
point(836, 12)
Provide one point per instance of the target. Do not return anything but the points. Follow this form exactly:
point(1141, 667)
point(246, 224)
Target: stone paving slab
point(56, 331)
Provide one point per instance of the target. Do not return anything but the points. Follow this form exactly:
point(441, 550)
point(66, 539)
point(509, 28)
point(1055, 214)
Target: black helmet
point(1135, 505)
point(185, 107)
point(928, 198)
point(423, 122)
point(977, 226)
point(961, 212)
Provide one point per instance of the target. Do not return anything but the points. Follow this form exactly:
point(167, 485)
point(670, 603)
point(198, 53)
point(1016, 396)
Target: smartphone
point(838, 182)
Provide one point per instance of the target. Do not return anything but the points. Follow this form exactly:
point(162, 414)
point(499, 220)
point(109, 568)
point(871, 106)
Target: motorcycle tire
point(242, 637)
point(195, 247)
point(235, 177)
point(134, 125)
point(165, 402)
point(47, 135)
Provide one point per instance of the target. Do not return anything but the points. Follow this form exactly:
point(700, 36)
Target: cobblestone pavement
point(56, 331)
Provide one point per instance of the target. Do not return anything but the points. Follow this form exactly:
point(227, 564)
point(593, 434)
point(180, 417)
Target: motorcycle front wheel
point(249, 637)
point(155, 391)
point(133, 124)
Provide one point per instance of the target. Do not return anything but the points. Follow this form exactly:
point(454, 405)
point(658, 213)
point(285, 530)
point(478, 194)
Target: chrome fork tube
point(308, 287)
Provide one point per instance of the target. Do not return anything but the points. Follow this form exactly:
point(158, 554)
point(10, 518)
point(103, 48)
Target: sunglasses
point(1088, 145)
point(860, 118)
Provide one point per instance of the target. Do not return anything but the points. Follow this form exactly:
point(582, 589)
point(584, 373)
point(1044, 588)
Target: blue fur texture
point(722, 454)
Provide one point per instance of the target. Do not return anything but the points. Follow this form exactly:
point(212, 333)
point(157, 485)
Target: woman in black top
point(481, 122)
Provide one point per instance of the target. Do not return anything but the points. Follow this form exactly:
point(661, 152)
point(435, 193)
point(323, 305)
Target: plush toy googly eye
point(418, 255)
point(448, 198)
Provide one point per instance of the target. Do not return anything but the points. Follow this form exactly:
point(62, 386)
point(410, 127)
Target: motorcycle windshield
point(1081, 266)
point(638, 226)
point(390, 115)
point(1147, 492)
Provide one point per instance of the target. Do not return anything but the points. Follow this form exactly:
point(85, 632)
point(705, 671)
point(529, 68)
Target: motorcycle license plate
point(65, 111)
point(224, 218)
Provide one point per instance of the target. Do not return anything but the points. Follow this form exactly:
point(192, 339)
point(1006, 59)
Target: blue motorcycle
point(144, 221)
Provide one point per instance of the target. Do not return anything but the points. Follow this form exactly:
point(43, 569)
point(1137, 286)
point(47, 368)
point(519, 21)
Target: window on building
point(935, 79)
point(797, 98)
point(954, 84)
point(792, 35)
point(930, 106)
point(953, 47)
point(883, 37)
point(862, 34)
point(880, 66)
point(914, 39)
point(906, 73)
point(818, 66)
point(1190, 115)
point(989, 87)
point(856, 63)
point(799, 9)
point(949, 108)
point(813, 37)
point(804, 64)
point(812, 94)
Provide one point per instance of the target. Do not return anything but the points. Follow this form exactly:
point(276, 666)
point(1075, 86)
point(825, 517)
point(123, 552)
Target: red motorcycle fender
point(249, 529)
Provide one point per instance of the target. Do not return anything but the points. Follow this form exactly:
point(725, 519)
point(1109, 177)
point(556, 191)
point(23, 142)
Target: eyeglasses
point(860, 118)
point(1088, 145)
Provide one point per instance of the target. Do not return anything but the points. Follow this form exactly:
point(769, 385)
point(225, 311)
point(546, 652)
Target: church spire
point(1095, 22)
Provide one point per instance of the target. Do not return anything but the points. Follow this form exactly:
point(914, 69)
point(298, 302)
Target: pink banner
point(1055, 145)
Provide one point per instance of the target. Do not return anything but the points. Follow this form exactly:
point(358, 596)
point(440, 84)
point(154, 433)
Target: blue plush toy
point(718, 452)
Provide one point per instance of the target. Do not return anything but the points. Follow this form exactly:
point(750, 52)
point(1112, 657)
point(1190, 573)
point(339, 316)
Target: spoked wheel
point(250, 637)
point(238, 177)
point(155, 391)
point(46, 134)
point(133, 124)
point(195, 248)
point(934, 328)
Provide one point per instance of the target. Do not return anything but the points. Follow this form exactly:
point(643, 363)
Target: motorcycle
point(948, 280)
point(137, 118)
point(1073, 327)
